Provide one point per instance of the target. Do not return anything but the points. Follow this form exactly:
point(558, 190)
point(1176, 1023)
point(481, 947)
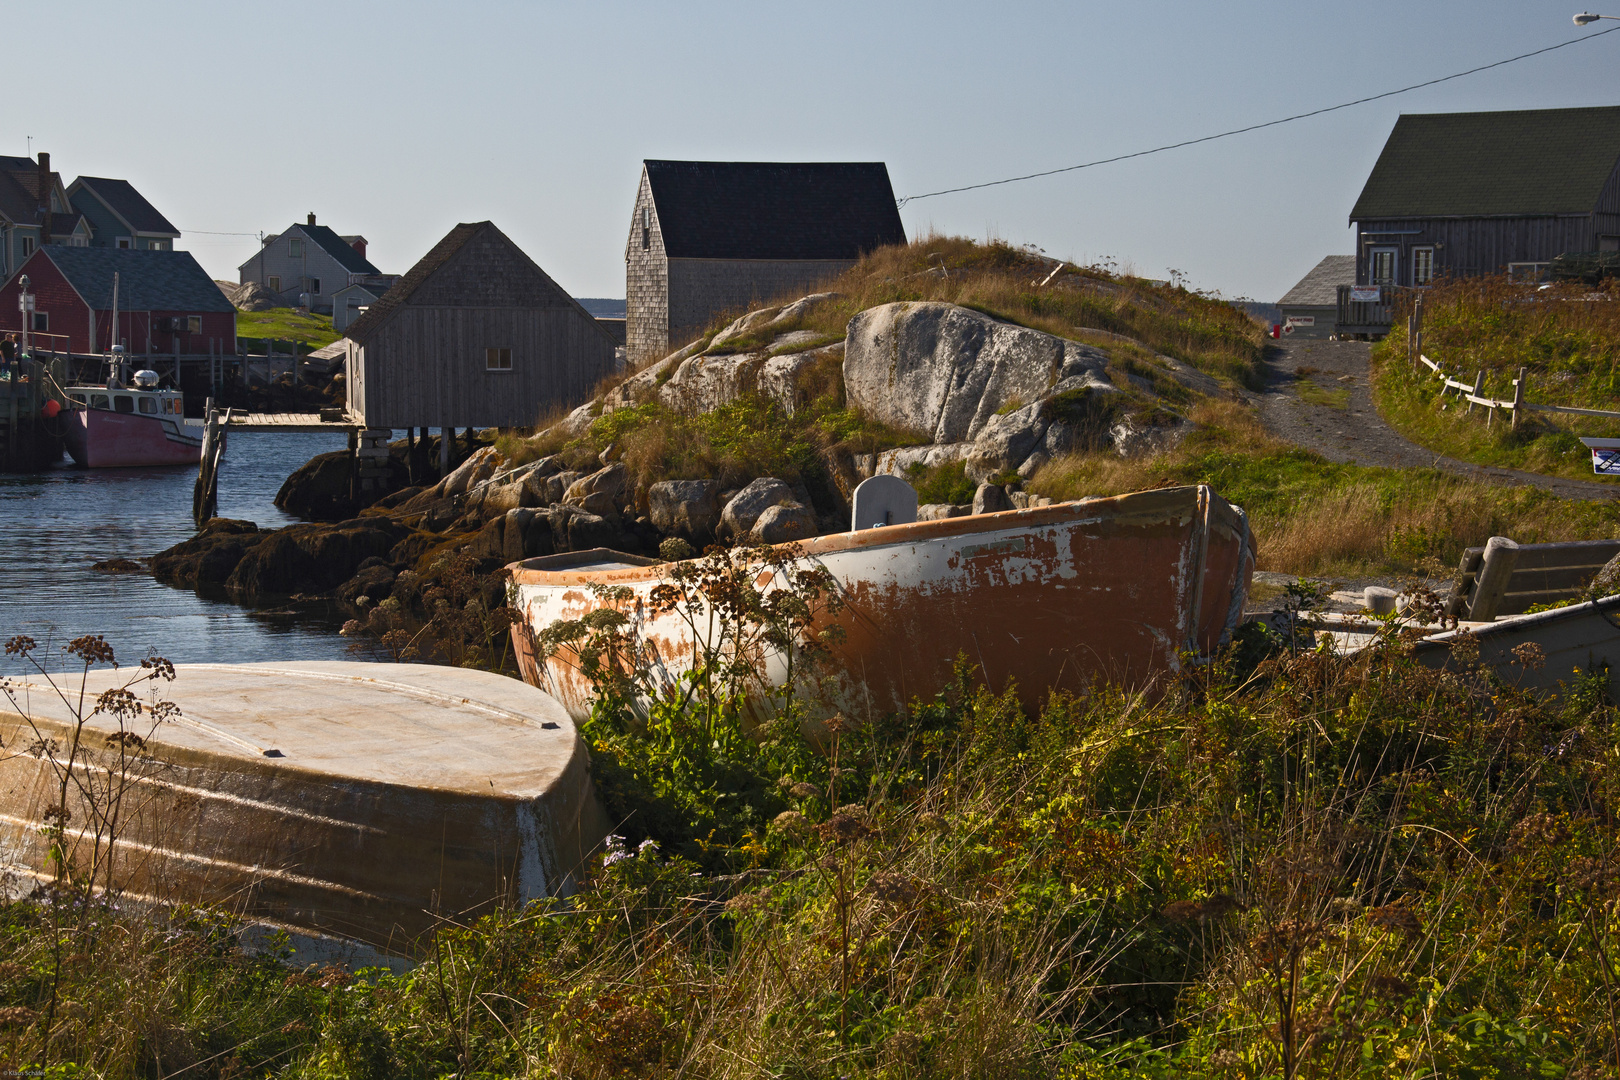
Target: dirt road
point(1330, 410)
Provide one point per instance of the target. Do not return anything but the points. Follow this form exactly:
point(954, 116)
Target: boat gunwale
point(1154, 504)
point(1509, 624)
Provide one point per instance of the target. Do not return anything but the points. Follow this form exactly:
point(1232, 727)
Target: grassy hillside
point(284, 325)
point(1567, 338)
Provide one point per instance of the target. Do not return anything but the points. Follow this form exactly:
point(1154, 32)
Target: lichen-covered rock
point(783, 523)
point(686, 508)
point(901, 461)
point(942, 511)
point(475, 470)
point(744, 508)
point(947, 370)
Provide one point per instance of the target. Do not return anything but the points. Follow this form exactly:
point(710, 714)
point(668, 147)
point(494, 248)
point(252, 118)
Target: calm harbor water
point(54, 525)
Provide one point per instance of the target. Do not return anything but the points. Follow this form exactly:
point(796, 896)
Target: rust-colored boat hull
point(1060, 597)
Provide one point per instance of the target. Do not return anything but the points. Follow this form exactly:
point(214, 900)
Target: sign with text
point(1302, 320)
point(1605, 456)
point(1366, 296)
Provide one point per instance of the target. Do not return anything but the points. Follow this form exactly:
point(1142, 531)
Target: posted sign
point(1605, 456)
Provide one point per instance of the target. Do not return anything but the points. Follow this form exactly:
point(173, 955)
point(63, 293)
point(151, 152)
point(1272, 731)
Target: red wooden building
point(167, 303)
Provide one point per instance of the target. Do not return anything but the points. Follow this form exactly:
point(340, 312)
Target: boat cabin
point(126, 400)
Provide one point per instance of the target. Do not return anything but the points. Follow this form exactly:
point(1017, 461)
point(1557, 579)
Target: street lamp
point(25, 303)
point(1586, 18)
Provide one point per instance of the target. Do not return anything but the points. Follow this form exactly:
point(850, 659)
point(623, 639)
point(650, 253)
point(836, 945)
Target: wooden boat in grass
point(1058, 597)
point(335, 800)
point(1571, 641)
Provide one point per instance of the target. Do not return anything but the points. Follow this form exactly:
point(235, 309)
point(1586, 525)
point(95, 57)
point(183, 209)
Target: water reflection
point(55, 525)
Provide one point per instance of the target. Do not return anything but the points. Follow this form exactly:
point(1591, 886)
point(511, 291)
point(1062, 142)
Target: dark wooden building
point(475, 335)
point(1488, 193)
point(714, 236)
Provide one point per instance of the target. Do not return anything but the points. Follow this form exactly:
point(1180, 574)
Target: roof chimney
point(359, 245)
point(44, 194)
point(312, 217)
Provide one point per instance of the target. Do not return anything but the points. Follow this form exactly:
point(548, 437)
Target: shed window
point(274, 283)
point(314, 285)
point(28, 246)
point(1609, 243)
point(497, 359)
point(295, 248)
point(193, 324)
point(123, 243)
point(1383, 266)
point(42, 322)
point(1422, 265)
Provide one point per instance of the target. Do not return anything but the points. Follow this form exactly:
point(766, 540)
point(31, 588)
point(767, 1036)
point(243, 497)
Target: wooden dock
point(368, 448)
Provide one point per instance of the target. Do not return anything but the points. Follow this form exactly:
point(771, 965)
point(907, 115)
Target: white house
point(308, 263)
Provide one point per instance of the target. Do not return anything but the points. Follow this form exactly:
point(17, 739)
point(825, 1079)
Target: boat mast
point(112, 337)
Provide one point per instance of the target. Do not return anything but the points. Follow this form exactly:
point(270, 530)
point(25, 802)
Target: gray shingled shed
point(708, 237)
point(1312, 305)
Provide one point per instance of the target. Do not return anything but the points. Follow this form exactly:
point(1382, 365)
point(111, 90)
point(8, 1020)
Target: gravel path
point(1330, 411)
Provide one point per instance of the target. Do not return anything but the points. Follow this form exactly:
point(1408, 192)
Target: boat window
point(148, 405)
point(123, 403)
point(77, 399)
point(99, 401)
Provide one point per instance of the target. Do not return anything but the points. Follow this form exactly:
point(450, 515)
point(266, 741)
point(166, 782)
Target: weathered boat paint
point(351, 800)
point(1056, 597)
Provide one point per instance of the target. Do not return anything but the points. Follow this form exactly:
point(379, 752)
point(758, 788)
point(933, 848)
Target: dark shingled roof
point(1493, 164)
point(147, 280)
point(122, 199)
point(441, 253)
point(1320, 287)
point(331, 243)
point(16, 204)
point(773, 210)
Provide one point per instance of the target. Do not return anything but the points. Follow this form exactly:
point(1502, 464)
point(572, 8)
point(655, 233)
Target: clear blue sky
point(397, 120)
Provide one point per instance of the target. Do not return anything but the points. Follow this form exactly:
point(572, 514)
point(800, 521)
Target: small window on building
point(123, 403)
point(42, 322)
point(154, 245)
point(148, 406)
point(295, 248)
point(1609, 243)
point(1383, 266)
point(274, 283)
point(646, 238)
point(124, 242)
point(1422, 265)
point(497, 359)
point(193, 324)
point(28, 246)
point(314, 286)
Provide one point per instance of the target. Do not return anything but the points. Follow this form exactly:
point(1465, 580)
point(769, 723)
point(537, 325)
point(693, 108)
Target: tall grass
point(1567, 337)
point(1298, 866)
point(1312, 516)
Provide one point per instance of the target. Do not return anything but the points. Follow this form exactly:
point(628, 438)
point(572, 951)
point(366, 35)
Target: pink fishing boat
point(117, 426)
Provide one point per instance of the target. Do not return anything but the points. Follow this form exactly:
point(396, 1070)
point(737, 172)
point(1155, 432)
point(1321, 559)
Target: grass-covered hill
point(1566, 336)
point(288, 328)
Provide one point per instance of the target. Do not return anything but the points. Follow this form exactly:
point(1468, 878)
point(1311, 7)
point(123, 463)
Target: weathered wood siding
point(646, 283)
point(425, 365)
point(1471, 246)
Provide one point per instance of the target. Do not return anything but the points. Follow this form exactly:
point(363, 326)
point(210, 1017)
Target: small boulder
point(991, 499)
point(686, 508)
point(1007, 439)
point(586, 530)
point(514, 535)
point(744, 508)
point(475, 470)
point(601, 492)
point(942, 511)
point(375, 580)
point(783, 523)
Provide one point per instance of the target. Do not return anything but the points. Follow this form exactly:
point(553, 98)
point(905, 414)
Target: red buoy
point(51, 408)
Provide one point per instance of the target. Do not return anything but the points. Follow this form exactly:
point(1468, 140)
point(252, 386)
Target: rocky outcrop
point(249, 562)
point(947, 370)
point(319, 489)
point(783, 523)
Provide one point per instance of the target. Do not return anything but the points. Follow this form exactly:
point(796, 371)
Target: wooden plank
point(1572, 553)
point(1556, 577)
point(1572, 411)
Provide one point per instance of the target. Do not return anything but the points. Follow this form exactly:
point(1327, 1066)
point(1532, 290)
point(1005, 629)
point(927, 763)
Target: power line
point(205, 232)
point(1257, 127)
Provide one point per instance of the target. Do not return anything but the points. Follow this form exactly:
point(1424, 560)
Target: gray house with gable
point(307, 264)
point(120, 216)
point(708, 237)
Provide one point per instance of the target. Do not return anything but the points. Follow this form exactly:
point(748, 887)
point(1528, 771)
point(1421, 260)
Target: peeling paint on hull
point(1056, 597)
